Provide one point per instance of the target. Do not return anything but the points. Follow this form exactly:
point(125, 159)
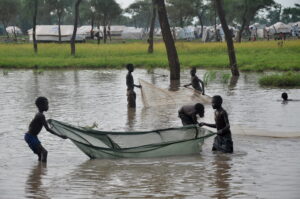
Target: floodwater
point(263, 165)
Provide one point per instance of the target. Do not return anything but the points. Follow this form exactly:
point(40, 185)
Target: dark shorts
point(222, 143)
point(32, 141)
point(131, 96)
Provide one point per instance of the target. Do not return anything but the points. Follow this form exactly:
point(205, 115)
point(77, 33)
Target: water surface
point(261, 167)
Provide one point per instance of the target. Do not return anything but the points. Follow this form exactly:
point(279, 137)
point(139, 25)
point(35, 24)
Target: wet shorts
point(32, 141)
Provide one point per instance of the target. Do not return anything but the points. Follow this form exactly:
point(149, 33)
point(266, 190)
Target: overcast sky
point(285, 3)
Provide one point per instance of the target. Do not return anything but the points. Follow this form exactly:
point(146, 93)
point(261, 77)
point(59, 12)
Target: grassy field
point(251, 56)
point(281, 80)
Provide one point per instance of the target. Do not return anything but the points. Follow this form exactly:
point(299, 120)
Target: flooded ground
point(261, 167)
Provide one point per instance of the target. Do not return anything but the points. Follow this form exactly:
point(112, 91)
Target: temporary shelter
point(133, 33)
point(13, 30)
point(116, 30)
point(279, 27)
point(86, 30)
point(50, 33)
point(187, 33)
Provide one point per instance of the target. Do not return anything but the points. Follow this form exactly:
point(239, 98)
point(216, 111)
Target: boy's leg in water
point(42, 153)
point(131, 96)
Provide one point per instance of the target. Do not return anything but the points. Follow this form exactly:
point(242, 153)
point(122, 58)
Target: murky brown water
point(261, 167)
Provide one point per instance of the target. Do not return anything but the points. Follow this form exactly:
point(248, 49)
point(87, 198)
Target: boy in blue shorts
point(35, 127)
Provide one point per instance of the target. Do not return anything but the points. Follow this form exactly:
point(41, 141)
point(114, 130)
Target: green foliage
point(209, 76)
point(225, 77)
point(281, 80)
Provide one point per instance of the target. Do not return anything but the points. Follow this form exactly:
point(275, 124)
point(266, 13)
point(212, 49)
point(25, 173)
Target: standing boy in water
point(131, 96)
point(223, 141)
point(35, 127)
point(195, 81)
point(188, 114)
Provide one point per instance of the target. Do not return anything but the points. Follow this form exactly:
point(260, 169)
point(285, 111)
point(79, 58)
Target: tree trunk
point(15, 34)
point(75, 27)
point(104, 33)
point(92, 24)
point(152, 26)
point(244, 19)
point(34, 26)
point(108, 33)
point(59, 30)
point(168, 39)
point(201, 24)
point(228, 36)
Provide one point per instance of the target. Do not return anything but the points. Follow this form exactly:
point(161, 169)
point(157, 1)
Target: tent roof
point(53, 30)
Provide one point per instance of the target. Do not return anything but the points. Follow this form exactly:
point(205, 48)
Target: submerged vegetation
point(251, 56)
point(281, 80)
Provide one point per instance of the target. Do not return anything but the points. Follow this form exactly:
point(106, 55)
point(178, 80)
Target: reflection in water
point(131, 113)
point(222, 175)
point(34, 186)
point(174, 85)
point(233, 82)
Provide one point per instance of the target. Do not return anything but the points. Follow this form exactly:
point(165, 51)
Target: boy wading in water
point(223, 141)
point(195, 81)
point(131, 96)
point(35, 127)
point(188, 113)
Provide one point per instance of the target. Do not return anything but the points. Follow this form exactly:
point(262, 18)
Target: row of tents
point(50, 32)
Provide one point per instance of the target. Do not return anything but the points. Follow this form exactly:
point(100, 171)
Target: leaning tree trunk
point(169, 41)
point(75, 27)
point(34, 26)
point(152, 26)
point(228, 36)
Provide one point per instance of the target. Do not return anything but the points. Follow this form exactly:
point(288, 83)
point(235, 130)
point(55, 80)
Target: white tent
point(296, 29)
point(116, 30)
point(186, 33)
point(87, 30)
point(13, 30)
point(279, 27)
point(50, 33)
point(133, 33)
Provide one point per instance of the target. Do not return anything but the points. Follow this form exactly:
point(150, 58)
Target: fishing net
point(154, 96)
point(156, 143)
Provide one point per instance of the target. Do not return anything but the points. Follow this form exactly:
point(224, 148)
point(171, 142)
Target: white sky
point(285, 3)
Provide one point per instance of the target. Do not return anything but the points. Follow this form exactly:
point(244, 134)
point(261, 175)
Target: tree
point(87, 15)
point(152, 26)
point(59, 8)
point(228, 36)
point(141, 13)
point(106, 11)
point(34, 26)
point(180, 12)
point(75, 27)
point(8, 12)
point(291, 14)
point(244, 11)
point(168, 40)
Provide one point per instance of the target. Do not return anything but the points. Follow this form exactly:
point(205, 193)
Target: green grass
point(251, 56)
point(281, 80)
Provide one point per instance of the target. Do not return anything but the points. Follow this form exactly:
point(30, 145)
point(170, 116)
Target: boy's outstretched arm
point(186, 85)
point(51, 131)
point(209, 125)
point(138, 86)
